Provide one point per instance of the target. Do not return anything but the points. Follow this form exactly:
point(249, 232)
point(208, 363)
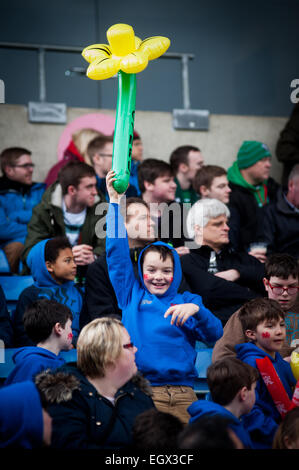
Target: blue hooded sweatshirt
point(21, 420)
point(166, 353)
point(202, 408)
point(67, 293)
point(31, 360)
point(264, 418)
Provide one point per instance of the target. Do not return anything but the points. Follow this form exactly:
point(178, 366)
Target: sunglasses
point(128, 346)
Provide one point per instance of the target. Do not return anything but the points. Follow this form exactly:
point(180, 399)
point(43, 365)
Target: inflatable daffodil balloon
point(295, 364)
point(125, 55)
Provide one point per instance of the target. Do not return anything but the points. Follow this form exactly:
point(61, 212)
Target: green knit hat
point(251, 152)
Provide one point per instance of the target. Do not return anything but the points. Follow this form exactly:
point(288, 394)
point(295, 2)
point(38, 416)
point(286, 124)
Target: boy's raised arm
point(119, 263)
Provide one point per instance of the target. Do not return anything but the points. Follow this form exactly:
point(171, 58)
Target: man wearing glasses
point(281, 283)
point(18, 195)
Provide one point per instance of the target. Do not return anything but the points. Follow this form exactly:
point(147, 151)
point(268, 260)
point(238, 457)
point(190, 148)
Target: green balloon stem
point(124, 128)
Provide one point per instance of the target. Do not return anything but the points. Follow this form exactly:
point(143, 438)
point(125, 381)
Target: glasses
point(280, 290)
point(128, 346)
point(26, 166)
point(106, 155)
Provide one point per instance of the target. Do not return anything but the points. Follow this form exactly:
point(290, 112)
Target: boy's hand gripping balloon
point(125, 55)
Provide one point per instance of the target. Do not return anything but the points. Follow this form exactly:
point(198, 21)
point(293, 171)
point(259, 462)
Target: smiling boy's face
point(157, 274)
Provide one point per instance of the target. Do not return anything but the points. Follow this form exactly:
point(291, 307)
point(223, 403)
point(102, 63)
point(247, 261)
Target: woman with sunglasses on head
point(109, 394)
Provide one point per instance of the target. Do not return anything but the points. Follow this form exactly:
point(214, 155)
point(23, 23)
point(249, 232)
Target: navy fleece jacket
point(264, 418)
point(166, 353)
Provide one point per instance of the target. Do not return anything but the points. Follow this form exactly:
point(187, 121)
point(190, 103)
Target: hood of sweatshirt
point(30, 352)
point(201, 408)
point(248, 352)
point(177, 272)
point(22, 427)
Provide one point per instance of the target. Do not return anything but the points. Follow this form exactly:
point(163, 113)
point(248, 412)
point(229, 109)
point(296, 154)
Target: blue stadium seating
point(12, 287)
point(4, 266)
point(203, 360)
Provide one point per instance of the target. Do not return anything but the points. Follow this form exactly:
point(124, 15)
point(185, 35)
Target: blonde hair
point(99, 344)
point(81, 139)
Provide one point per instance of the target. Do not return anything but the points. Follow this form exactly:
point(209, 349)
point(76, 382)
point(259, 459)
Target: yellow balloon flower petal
point(125, 52)
point(154, 47)
point(134, 63)
point(95, 51)
point(100, 69)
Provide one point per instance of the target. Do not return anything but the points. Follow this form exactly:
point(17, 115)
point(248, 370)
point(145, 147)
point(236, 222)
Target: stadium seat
point(4, 266)
point(203, 360)
point(12, 287)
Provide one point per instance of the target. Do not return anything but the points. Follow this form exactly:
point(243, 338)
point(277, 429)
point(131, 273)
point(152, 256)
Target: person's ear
point(204, 191)
point(250, 334)
point(49, 266)
point(71, 190)
point(148, 186)
point(198, 234)
point(243, 393)
point(57, 328)
point(8, 170)
point(183, 168)
point(265, 282)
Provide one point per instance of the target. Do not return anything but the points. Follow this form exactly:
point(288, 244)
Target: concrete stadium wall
point(219, 145)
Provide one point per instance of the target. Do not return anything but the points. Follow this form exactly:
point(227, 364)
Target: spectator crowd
point(191, 256)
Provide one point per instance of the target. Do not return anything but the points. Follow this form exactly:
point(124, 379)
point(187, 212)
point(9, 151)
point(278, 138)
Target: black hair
point(41, 316)
point(208, 432)
point(281, 265)
point(54, 246)
point(151, 169)
point(164, 252)
point(154, 429)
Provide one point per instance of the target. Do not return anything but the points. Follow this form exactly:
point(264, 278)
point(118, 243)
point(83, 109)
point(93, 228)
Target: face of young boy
point(64, 267)
point(157, 274)
point(269, 336)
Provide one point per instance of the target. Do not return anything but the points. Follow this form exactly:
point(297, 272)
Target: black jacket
point(287, 147)
point(223, 297)
point(281, 227)
point(100, 299)
point(89, 421)
point(246, 217)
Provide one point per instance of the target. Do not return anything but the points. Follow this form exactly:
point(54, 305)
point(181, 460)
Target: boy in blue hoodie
point(163, 324)
point(49, 325)
point(53, 269)
point(263, 324)
point(232, 386)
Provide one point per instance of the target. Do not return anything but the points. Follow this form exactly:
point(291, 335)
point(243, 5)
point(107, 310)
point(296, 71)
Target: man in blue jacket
point(163, 324)
point(18, 195)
